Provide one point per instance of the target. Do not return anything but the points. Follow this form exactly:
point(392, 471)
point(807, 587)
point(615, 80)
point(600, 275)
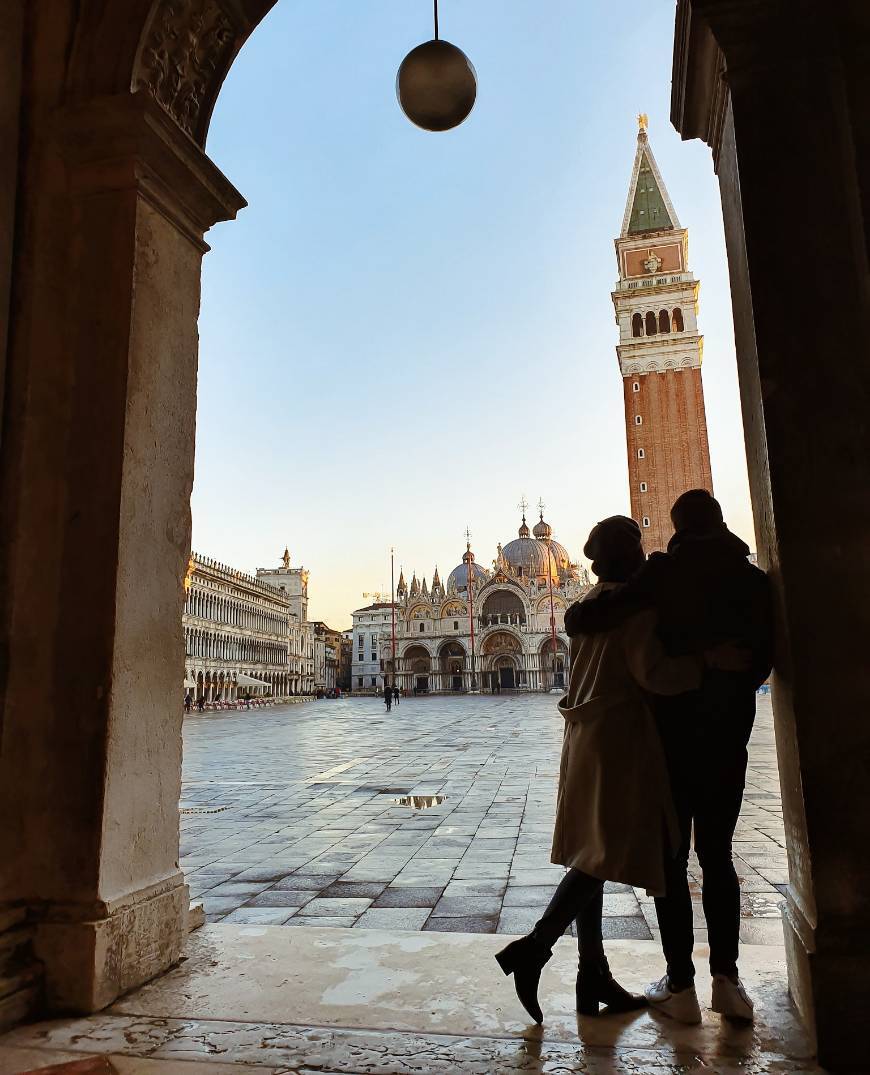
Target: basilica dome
point(459, 576)
point(538, 556)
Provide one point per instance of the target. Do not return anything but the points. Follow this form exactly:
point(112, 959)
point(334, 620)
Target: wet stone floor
point(294, 816)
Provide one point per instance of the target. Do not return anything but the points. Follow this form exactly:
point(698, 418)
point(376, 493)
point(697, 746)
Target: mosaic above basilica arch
point(501, 641)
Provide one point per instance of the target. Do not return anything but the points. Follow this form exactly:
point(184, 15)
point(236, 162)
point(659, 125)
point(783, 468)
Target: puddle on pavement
point(420, 802)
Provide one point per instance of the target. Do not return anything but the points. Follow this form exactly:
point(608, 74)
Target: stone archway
point(451, 665)
point(416, 666)
point(115, 197)
point(504, 672)
point(553, 664)
point(502, 606)
point(502, 662)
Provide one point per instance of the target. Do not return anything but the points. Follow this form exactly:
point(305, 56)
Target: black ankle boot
point(596, 985)
point(525, 959)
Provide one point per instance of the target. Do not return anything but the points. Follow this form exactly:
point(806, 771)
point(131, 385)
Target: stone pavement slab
point(306, 809)
point(373, 1002)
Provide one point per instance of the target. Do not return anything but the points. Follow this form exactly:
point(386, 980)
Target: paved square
point(290, 816)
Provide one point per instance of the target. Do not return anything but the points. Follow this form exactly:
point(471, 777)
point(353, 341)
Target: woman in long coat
point(614, 816)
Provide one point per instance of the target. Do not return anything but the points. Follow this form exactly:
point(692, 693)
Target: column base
point(90, 962)
point(798, 945)
point(828, 982)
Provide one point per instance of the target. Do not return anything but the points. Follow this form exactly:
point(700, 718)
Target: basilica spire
point(648, 207)
point(542, 530)
point(523, 530)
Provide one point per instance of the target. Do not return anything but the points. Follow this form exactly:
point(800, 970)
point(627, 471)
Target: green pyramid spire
point(648, 209)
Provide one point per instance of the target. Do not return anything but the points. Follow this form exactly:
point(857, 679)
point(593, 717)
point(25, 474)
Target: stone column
point(96, 479)
point(11, 37)
point(795, 180)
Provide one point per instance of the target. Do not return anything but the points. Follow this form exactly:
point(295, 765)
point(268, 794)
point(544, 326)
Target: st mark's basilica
point(490, 630)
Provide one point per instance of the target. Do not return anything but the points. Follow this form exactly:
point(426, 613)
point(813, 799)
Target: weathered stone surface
point(385, 1003)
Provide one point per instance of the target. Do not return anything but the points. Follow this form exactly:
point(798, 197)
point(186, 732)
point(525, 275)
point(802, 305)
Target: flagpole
point(552, 613)
point(393, 610)
point(552, 606)
point(469, 579)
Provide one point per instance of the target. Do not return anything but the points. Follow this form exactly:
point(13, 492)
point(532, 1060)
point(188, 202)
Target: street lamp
point(436, 84)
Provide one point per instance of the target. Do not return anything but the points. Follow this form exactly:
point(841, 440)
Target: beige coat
point(614, 815)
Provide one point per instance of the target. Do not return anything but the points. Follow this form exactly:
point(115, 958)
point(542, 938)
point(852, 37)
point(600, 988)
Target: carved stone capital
point(184, 55)
point(129, 141)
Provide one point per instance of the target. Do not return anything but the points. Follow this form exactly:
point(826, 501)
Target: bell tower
point(659, 352)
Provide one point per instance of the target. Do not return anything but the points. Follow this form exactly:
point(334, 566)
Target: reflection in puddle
point(420, 802)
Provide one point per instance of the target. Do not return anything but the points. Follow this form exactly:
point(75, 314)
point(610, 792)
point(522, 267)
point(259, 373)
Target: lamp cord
point(436, 19)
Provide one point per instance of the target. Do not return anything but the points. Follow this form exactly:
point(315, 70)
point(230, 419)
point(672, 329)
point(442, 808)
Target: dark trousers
point(579, 898)
point(705, 737)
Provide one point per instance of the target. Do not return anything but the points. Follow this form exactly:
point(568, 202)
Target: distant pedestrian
point(388, 698)
point(188, 702)
point(200, 703)
point(247, 699)
point(397, 694)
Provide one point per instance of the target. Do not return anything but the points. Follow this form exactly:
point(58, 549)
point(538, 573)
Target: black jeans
point(705, 737)
point(579, 898)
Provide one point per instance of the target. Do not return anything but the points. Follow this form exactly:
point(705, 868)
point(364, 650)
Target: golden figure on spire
point(642, 121)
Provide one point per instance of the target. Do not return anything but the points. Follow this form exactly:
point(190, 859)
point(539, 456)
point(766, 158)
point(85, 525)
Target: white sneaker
point(731, 999)
point(682, 1006)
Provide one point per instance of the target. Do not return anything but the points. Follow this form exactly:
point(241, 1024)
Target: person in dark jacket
point(705, 592)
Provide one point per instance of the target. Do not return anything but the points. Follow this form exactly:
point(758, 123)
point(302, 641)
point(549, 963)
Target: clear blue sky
point(404, 332)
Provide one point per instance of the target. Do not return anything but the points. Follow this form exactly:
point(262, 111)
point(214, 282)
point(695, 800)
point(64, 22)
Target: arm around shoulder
point(650, 665)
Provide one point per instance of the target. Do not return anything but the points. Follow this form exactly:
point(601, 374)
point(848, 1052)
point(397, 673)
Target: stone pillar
point(96, 478)
point(795, 182)
point(11, 37)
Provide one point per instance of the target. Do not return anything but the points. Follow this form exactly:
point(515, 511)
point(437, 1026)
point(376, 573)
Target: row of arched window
point(650, 324)
point(229, 648)
point(214, 686)
point(224, 610)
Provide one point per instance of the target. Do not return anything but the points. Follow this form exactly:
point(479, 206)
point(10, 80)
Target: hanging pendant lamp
point(436, 84)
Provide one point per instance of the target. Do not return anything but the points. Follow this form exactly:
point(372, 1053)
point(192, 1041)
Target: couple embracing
point(666, 656)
